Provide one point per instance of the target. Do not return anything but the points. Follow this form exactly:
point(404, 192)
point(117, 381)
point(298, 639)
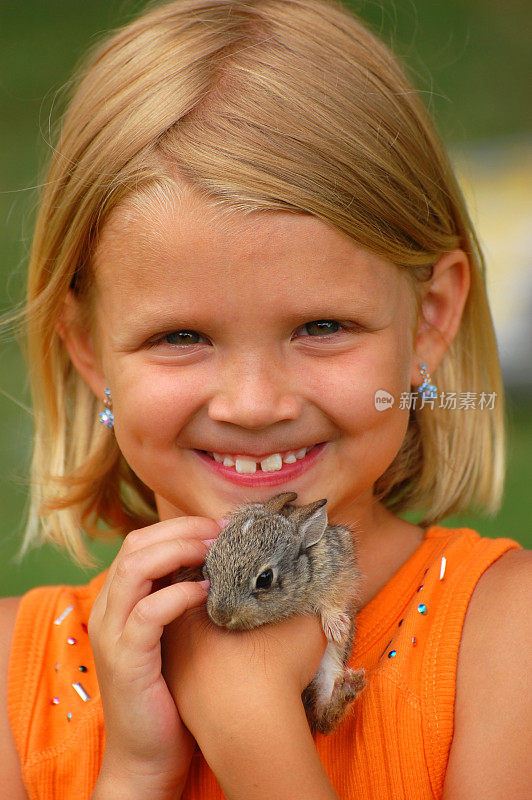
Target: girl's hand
point(239, 693)
point(147, 747)
point(207, 665)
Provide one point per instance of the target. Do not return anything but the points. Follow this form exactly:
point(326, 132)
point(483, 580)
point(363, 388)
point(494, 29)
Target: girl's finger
point(179, 527)
point(136, 571)
point(144, 628)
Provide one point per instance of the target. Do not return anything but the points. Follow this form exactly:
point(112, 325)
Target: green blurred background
point(470, 58)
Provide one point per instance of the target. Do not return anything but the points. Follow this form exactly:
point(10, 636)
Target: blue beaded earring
point(106, 417)
point(427, 390)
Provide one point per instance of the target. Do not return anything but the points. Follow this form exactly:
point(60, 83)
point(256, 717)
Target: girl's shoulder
point(491, 740)
point(11, 772)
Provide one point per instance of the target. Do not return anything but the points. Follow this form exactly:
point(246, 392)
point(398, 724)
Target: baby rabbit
point(273, 560)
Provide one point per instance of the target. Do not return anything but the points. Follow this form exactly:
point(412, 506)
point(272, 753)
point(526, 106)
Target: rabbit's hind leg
point(346, 689)
point(324, 717)
point(330, 691)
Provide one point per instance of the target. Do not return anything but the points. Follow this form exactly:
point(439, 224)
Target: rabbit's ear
point(311, 526)
point(275, 504)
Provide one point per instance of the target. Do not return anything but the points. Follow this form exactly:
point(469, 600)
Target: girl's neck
point(383, 549)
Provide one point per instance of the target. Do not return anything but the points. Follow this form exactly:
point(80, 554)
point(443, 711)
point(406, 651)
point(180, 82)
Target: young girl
point(252, 258)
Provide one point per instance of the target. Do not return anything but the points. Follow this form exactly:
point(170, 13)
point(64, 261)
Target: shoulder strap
point(54, 704)
point(453, 581)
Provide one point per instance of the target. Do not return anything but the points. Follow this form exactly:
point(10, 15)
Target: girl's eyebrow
point(314, 309)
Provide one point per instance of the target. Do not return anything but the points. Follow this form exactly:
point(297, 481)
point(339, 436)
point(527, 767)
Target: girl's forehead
point(149, 238)
point(169, 222)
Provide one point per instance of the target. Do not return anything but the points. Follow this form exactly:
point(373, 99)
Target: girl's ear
point(442, 305)
point(73, 329)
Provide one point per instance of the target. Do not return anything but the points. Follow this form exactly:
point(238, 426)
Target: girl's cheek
point(369, 398)
point(151, 398)
point(375, 372)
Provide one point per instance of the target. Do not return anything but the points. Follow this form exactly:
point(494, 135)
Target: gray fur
point(315, 572)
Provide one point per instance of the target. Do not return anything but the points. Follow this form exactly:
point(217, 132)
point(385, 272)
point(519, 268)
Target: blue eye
point(182, 337)
point(322, 326)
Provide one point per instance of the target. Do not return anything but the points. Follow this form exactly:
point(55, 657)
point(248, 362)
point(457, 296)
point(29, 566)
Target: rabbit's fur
point(312, 569)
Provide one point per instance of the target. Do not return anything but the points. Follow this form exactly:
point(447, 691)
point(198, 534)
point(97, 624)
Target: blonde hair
point(288, 105)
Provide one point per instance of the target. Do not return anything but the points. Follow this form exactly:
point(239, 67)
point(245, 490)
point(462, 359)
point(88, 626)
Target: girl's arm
point(239, 693)
point(268, 753)
point(492, 742)
point(11, 773)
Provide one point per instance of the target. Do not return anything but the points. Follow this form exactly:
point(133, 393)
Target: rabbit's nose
point(220, 614)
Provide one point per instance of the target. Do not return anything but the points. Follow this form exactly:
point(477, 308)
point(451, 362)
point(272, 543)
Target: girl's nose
point(254, 395)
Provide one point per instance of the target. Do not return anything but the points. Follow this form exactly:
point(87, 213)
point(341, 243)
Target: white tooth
point(245, 465)
point(228, 461)
point(290, 458)
point(271, 463)
point(301, 453)
point(217, 457)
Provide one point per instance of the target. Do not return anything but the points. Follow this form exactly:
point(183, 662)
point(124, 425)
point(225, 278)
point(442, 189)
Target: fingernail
point(222, 522)
point(205, 585)
point(208, 542)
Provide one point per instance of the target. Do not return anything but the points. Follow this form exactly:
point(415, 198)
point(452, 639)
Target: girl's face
point(250, 336)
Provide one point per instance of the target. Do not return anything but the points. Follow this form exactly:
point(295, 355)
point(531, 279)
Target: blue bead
point(422, 608)
point(107, 418)
point(392, 653)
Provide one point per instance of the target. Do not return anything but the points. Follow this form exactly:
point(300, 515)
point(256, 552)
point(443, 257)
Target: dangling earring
point(427, 390)
point(107, 417)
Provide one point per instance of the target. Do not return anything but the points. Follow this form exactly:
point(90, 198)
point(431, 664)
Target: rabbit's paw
point(352, 683)
point(336, 625)
point(346, 688)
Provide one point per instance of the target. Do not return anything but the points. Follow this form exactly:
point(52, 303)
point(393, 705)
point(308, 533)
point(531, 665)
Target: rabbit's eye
point(264, 580)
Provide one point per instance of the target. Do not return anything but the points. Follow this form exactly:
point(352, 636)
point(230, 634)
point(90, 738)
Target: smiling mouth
point(247, 465)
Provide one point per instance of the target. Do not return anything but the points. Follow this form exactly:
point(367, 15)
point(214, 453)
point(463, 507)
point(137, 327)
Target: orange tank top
point(394, 744)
